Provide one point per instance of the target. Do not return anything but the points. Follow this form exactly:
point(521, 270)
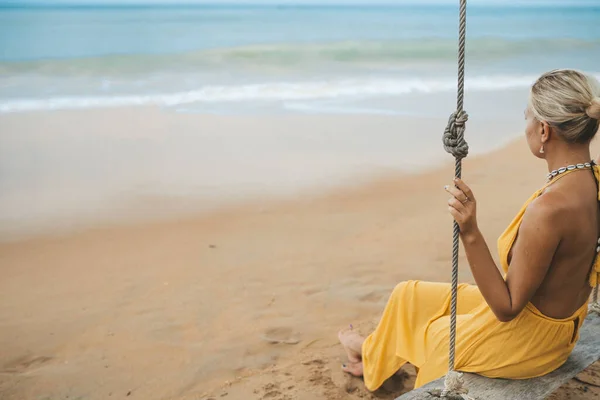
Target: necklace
point(562, 170)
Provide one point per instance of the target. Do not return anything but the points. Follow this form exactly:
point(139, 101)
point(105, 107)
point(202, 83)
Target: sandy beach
point(242, 301)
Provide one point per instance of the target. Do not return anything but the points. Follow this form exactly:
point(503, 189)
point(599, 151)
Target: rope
point(594, 306)
point(455, 144)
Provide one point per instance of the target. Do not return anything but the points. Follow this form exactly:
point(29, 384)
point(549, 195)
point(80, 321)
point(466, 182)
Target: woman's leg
point(400, 336)
point(352, 343)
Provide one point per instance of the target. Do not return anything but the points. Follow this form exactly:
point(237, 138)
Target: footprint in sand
point(374, 296)
point(25, 363)
point(280, 335)
point(316, 361)
point(350, 387)
point(313, 290)
point(273, 391)
point(320, 375)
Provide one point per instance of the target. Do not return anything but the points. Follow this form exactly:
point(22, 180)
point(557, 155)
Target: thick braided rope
point(455, 144)
point(594, 306)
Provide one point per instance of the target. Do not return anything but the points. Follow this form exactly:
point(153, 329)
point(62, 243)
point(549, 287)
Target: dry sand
point(244, 303)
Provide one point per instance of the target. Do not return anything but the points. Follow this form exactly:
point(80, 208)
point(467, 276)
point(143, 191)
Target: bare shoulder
point(551, 210)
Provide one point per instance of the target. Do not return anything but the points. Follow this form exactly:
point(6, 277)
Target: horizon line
point(284, 4)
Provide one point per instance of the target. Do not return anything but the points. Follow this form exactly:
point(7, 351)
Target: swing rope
point(594, 305)
point(455, 144)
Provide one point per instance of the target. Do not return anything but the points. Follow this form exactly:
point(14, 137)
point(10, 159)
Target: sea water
point(294, 58)
point(254, 65)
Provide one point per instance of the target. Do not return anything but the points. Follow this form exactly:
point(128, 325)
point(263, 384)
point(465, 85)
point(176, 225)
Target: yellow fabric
point(414, 328)
point(595, 274)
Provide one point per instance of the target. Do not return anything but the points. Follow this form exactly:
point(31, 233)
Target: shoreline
point(72, 171)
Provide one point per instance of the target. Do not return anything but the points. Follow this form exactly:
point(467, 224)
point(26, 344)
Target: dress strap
point(594, 279)
point(596, 170)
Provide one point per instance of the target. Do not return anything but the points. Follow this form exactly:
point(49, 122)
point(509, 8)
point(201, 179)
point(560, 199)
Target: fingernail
point(343, 365)
point(446, 187)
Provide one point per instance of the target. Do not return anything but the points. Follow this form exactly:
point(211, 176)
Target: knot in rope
point(454, 135)
point(454, 386)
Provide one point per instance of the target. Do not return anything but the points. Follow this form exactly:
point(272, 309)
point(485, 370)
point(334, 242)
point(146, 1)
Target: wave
point(296, 55)
point(281, 91)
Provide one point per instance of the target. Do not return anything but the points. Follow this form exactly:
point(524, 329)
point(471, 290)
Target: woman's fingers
point(464, 188)
point(456, 204)
point(457, 193)
point(455, 214)
point(462, 205)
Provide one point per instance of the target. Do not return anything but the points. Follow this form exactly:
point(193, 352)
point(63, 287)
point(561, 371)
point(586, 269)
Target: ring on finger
point(465, 200)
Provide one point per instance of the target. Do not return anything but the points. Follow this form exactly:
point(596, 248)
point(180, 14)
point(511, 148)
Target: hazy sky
point(321, 2)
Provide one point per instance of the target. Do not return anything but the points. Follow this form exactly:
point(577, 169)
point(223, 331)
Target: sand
point(240, 303)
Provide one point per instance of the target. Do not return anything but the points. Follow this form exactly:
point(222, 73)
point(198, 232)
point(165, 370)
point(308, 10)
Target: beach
point(195, 198)
point(74, 169)
point(243, 300)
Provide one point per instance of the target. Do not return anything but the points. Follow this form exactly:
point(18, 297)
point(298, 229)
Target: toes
point(353, 368)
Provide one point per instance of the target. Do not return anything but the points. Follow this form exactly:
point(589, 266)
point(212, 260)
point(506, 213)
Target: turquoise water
point(65, 171)
point(226, 58)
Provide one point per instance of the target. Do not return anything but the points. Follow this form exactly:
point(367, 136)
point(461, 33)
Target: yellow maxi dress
point(415, 328)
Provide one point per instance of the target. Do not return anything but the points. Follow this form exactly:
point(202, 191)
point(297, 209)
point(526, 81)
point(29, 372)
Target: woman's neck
point(570, 155)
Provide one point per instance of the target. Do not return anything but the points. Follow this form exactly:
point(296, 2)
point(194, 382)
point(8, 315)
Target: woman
point(526, 323)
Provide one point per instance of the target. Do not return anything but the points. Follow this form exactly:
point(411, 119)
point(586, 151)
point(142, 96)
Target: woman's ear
point(546, 132)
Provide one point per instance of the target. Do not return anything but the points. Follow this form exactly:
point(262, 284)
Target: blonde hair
point(569, 101)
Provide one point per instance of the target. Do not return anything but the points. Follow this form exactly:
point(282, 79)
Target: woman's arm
point(531, 254)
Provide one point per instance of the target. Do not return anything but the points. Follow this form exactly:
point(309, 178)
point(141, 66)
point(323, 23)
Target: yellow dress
point(415, 328)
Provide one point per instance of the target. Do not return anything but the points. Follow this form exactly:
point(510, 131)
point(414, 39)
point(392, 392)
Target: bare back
point(565, 287)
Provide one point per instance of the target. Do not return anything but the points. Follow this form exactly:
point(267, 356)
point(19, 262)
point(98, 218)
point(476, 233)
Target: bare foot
point(352, 343)
point(355, 369)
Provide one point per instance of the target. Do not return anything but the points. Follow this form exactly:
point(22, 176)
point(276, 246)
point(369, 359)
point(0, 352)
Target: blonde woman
point(526, 322)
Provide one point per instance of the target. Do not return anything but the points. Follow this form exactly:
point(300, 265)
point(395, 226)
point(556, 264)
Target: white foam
point(279, 91)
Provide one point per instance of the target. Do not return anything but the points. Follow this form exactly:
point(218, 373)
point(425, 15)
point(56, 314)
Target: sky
point(320, 2)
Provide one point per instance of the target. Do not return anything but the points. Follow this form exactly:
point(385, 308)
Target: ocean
point(251, 102)
point(261, 58)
